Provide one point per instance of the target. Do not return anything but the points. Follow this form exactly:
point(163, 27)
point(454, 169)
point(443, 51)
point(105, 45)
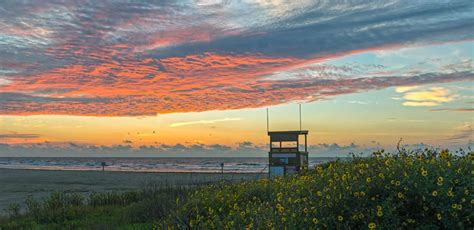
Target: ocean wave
point(234, 165)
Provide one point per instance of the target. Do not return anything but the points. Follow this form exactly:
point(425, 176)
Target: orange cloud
point(122, 84)
point(14, 138)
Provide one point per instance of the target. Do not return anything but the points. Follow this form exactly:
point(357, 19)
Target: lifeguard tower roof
point(286, 135)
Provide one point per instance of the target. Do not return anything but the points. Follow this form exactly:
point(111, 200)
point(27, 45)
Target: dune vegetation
point(423, 189)
point(127, 210)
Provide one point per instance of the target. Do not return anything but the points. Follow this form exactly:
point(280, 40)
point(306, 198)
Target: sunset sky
point(194, 78)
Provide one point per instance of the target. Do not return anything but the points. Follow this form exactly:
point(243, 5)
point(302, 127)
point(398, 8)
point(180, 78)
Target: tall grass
point(136, 209)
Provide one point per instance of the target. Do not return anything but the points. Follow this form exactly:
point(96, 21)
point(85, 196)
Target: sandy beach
point(17, 184)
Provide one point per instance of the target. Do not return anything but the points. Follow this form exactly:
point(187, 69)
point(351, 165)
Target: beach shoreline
point(18, 184)
point(135, 171)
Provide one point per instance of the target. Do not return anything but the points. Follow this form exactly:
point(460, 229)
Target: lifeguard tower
point(288, 155)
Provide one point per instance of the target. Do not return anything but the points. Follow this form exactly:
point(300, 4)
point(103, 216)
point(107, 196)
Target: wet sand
point(17, 184)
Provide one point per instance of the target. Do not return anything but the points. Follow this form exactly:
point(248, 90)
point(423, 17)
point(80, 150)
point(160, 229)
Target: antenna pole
point(268, 124)
point(300, 116)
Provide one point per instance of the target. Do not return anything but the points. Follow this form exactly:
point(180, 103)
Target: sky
point(194, 78)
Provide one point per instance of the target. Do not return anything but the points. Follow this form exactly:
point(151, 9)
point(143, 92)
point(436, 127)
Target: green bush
point(157, 202)
point(13, 210)
point(126, 210)
point(387, 191)
point(114, 198)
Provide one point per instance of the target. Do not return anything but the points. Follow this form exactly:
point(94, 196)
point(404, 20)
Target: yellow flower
point(450, 193)
point(400, 195)
point(315, 220)
point(280, 208)
point(424, 172)
point(444, 154)
point(397, 183)
point(379, 207)
point(368, 179)
point(439, 183)
point(379, 213)
point(340, 218)
point(434, 193)
point(305, 210)
point(438, 216)
point(440, 179)
point(372, 225)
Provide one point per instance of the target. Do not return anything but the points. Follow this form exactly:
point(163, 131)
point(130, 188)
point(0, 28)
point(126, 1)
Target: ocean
point(197, 164)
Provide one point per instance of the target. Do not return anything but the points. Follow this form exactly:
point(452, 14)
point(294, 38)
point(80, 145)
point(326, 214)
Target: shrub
point(13, 210)
point(409, 190)
point(156, 203)
point(114, 198)
point(128, 210)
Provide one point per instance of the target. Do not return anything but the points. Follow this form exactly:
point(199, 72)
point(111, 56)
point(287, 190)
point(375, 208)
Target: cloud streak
point(18, 136)
point(200, 122)
point(126, 58)
point(432, 97)
point(462, 133)
point(457, 110)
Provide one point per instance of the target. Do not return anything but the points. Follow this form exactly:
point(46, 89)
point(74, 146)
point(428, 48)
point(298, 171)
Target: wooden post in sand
point(103, 165)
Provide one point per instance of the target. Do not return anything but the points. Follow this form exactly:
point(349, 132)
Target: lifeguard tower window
point(285, 144)
point(287, 154)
